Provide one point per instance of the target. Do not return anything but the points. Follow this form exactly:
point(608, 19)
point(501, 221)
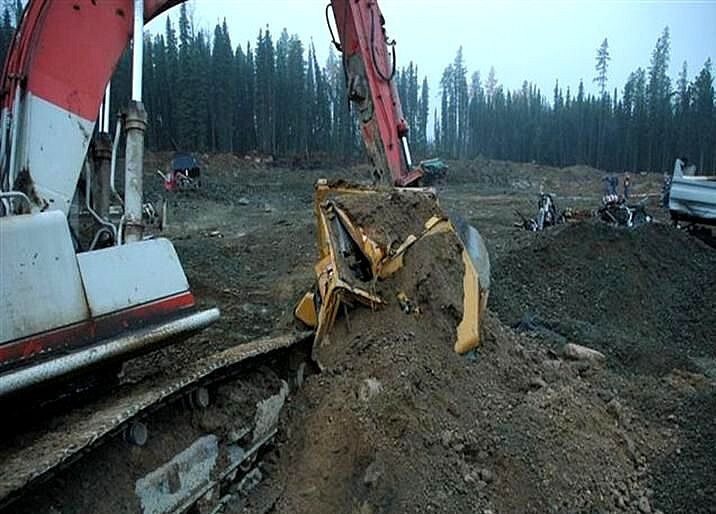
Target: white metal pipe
point(138, 50)
point(133, 342)
point(9, 195)
point(136, 124)
point(105, 109)
point(88, 202)
point(15, 131)
point(406, 152)
point(113, 165)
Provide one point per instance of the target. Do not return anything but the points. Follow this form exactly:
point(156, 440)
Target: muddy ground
point(536, 433)
point(399, 423)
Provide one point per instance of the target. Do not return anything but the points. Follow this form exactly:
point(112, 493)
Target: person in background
point(614, 189)
point(607, 179)
point(627, 186)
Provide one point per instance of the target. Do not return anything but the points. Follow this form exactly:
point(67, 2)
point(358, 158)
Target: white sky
point(535, 40)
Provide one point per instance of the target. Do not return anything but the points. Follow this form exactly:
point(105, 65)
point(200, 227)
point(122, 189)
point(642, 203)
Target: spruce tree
point(601, 66)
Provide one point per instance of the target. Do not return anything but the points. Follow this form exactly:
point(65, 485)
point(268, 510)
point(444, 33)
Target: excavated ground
point(399, 423)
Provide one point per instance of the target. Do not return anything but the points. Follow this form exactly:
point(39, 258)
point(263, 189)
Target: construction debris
point(621, 214)
point(547, 215)
point(582, 353)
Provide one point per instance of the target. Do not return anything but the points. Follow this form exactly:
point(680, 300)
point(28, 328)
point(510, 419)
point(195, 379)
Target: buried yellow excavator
point(353, 256)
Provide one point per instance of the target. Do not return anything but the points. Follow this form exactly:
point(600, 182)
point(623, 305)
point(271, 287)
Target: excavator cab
point(74, 300)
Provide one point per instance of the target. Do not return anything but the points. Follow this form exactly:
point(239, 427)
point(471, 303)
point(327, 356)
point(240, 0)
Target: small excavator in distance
point(74, 296)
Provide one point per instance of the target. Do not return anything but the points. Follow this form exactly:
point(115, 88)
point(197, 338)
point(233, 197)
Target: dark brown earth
point(406, 211)
point(640, 295)
point(397, 422)
point(646, 298)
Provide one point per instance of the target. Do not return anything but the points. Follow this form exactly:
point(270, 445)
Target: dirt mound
point(639, 295)
point(402, 424)
point(398, 422)
point(646, 298)
point(407, 211)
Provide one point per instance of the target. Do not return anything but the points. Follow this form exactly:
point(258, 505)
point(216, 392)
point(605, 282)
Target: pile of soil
point(519, 178)
point(646, 297)
point(407, 211)
point(398, 422)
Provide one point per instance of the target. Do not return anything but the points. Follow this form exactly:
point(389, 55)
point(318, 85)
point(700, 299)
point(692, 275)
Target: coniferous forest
point(272, 96)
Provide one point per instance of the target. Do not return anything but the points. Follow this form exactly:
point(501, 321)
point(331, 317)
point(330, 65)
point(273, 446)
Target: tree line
point(643, 127)
point(272, 96)
point(269, 96)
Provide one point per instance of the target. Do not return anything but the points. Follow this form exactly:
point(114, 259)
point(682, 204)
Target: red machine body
point(369, 74)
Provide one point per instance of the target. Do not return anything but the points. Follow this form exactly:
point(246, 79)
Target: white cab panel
point(124, 276)
point(40, 284)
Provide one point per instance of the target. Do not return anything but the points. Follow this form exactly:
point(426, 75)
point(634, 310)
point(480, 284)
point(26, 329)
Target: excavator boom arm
point(369, 70)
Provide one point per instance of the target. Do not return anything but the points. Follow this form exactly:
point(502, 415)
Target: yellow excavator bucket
point(365, 236)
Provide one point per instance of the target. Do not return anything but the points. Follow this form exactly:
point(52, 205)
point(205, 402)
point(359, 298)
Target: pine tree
point(162, 102)
point(422, 118)
point(283, 99)
point(322, 127)
point(446, 140)
point(170, 120)
point(602, 63)
point(310, 89)
point(244, 112)
point(601, 66)
point(184, 83)
point(683, 111)
point(491, 84)
point(6, 31)
point(222, 75)
point(460, 101)
point(265, 93)
point(297, 83)
point(343, 123)
point(149, 93)
point(201, 84)
point(703, 104)
point(659, 103)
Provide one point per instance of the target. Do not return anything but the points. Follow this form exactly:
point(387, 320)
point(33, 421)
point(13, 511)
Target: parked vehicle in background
point(184, 173)
point(692, 197)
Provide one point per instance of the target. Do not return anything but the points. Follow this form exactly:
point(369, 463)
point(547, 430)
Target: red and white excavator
point(74, 294)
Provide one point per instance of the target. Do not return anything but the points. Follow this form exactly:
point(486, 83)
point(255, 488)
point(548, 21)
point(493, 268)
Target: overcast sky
point(539, 41)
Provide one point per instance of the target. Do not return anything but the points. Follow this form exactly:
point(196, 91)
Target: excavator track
point(73, 435)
